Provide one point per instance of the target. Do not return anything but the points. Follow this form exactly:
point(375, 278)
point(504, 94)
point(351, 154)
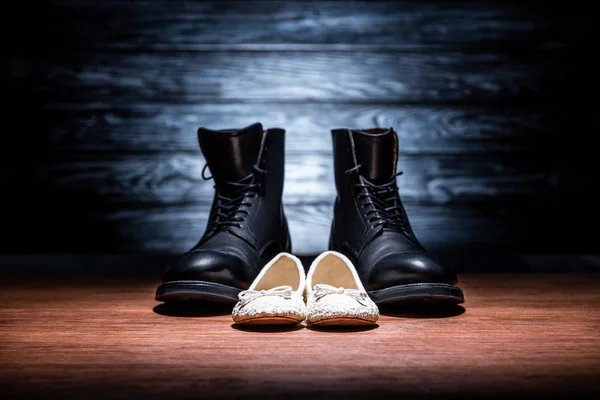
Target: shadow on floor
point(422, 310)
point(193, 310)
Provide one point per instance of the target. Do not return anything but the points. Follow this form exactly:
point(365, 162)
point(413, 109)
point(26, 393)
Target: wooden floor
point(94, 337)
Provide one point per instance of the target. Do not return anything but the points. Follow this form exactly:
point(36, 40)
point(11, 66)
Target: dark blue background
point(491, 101)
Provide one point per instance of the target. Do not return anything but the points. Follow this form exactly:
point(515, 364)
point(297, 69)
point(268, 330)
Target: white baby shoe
point(335, 294)
point(276, 295)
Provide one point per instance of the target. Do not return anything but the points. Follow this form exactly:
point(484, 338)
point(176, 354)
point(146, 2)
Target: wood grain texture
point(421, 129)
point(107, 97)
point(471, 229)
point(332, 77)
point(531, 336)
point(167, 179)
point(184, 25)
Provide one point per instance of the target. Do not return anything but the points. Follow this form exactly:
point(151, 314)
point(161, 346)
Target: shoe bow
point(247, 296)
point(322, 290)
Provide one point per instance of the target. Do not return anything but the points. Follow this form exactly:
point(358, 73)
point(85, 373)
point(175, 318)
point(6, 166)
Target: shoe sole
point(342, 321)
point(270, 321)
point(192, 291)
point(419, 293)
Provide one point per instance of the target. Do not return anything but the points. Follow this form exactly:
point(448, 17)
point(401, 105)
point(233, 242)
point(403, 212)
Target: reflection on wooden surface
point(98, 337)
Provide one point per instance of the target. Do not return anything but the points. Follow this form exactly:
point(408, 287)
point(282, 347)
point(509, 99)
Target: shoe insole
point(283, 273)
point(333, 271)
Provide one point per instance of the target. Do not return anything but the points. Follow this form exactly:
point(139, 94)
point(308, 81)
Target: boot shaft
point(374, 152)
point(235, 154)
point(368, 203)
point(248, 168)
point(231, 154)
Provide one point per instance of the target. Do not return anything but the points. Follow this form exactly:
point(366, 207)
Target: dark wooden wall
point(102, 100)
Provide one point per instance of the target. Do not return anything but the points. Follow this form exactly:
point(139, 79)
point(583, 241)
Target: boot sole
point(192, 291)
point(419, 293)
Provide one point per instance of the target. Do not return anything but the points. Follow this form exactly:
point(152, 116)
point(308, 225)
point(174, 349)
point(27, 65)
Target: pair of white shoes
point(334, 294)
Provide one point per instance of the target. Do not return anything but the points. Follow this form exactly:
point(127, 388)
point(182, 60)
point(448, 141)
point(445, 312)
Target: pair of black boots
point(247, 226)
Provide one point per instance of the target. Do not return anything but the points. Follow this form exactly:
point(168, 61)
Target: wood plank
point(186, 25)
point(518, 336)
point(474, 228)
point(421, 129)
point(332, 77)
point(167, 179)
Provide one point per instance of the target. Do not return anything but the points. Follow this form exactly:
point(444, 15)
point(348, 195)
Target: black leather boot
point(246, 226)
point(370, 225)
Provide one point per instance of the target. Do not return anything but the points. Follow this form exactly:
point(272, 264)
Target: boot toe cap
point(208, 266)
point(407, 268)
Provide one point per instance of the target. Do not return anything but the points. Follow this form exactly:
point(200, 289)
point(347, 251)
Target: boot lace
point(383, 205)
point(228, 211)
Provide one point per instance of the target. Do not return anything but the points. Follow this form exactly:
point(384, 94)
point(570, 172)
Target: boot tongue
point(231, 153)
point(377, 152)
